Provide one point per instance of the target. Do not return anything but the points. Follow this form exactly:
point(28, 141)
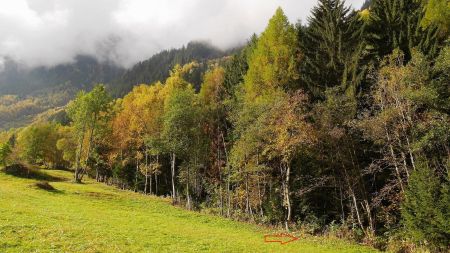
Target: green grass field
point(93, 217)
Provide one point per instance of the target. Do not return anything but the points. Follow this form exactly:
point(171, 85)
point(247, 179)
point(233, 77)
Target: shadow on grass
point(22, 171)
point(44, 185)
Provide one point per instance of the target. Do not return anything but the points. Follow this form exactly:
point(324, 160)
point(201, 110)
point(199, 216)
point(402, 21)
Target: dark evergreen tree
point(397, 24)
point(426, 209)
point(158, 67)
point(236, 69)
point(331, 46)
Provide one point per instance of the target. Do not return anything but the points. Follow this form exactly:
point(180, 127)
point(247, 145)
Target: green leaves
point(37, 143)
point(5, 151)
point(437, 13)
point(397, 24)
point(425, 209)
point(89, 116)
point(180, 115)
point(273, 62)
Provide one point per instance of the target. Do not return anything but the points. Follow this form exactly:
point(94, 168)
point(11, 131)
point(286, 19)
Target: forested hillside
point(339, 126)
point(27, 95)
point(157, 68)
point(83, 73)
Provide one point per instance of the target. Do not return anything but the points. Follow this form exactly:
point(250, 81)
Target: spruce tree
point(397, 24)
point(425, 210)
point(331, 47)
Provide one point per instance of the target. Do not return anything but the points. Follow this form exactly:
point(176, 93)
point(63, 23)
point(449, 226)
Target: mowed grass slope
point(93, 217)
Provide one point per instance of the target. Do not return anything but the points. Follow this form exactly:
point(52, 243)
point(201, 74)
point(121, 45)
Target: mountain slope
point(83, 73)
point(157, 68)
point(93, 217)
point(24, 93)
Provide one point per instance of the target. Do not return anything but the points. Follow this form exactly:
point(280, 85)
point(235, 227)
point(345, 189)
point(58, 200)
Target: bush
point(23, 171)
point(5, 151)
point(426, 209)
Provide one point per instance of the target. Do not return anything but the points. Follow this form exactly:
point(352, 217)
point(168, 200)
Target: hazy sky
point(49, 32)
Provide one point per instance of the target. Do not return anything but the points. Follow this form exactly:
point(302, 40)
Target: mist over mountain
point(81, 74)
point(157, 67)
point(26, 93)
point(51, 32)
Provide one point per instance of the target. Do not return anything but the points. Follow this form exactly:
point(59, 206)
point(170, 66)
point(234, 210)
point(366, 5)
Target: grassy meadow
point(93, 217)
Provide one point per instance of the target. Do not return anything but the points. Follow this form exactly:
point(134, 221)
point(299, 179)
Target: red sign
point(282, 238)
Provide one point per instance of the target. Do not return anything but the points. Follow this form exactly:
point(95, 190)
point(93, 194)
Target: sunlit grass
point(93, 217)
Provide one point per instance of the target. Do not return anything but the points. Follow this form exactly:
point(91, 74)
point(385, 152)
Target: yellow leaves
point(364, 15)
point(150, 169)
point(139, 155)
point(176, 78)
point(180, 71)
point(437, 12)
point(139, 115)
point(140, 112)
point(272, 64)
point(269, 122)
point(212, 86)
point(290, 128)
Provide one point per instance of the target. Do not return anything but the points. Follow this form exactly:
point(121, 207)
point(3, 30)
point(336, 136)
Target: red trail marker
point(282, 238)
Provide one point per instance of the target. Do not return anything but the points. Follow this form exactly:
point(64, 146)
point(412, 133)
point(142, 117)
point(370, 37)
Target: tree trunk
point(146, 182)
point(228, 175)
point(288, 199)
point(394, 158)
point(156, 184)
point(366, 206)
point(356, 209)
point(247, 202)
point(91, 140)
point(78, 154)
point(188, 204)
point(151, 184)
point(411, 156)
point(261, 212)
point(146, 172)
point(136, 176)
point(173, 177)
point(342, 204)
point(156, 176)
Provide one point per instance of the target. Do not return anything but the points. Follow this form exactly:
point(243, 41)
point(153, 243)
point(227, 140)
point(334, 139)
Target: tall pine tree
point(397, 24)
point(331, 47)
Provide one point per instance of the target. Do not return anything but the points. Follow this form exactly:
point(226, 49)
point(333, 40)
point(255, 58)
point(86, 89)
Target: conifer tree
point(273, 63)
point(437, 13)
point(397, 24)
point(426, 209)
point(332, 47)
point(265, 144)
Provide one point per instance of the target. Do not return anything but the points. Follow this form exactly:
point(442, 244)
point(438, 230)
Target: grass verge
point(93, 217)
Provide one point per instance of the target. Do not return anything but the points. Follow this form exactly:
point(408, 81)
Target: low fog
point(50, 32)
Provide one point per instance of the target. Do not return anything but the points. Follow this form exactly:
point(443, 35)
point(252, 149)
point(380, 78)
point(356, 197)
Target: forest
point(338, 125)
point(35, 94)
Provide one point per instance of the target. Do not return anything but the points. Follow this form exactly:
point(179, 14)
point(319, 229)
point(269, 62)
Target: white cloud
point(48, 32)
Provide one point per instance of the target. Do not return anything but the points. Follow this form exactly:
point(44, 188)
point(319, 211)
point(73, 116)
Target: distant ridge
point(27, 94)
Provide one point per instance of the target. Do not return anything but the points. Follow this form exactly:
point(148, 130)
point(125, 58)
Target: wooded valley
point(339, 125)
